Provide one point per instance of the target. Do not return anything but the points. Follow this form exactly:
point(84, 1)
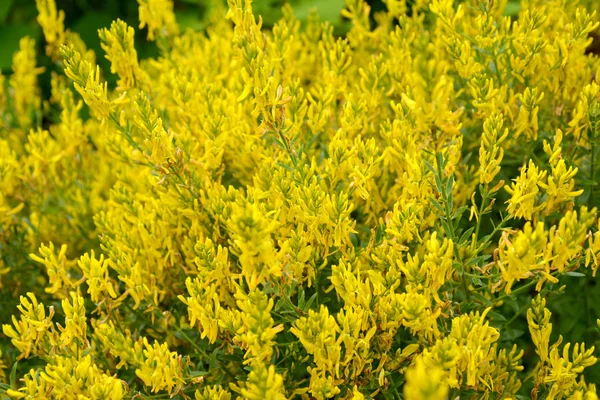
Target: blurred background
point(18, 18)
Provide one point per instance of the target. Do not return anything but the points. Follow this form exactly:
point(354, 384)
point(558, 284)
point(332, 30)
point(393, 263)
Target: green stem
point(592, 170)
point(466, 288)
point(522, 288)
point(519, 290)
point(192, 342)
point(497, 67)
point(484, 195)
point(510, 321)
point(491, 235)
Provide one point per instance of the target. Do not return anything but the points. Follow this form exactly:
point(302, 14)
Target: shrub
point(408, 211)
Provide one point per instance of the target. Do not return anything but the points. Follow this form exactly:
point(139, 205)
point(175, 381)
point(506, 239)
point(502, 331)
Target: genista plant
point(408, 211)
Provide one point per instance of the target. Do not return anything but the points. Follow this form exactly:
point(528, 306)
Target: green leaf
point(465, 236)
point(512, 334)
point(436, 204)
point(301, 297)
point(497, 316)
point(449, 185)
point(447, 228)
point(483, 300)
point(286, 167)
point(13, 375)
point(309, 302)
point(459, 212)
point(573, 273)
point(429, 166)
point(439, 185)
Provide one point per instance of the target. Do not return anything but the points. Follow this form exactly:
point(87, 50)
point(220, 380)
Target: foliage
point(408, 210)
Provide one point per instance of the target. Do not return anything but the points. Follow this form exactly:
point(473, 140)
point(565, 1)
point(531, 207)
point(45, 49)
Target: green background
point(18, 18)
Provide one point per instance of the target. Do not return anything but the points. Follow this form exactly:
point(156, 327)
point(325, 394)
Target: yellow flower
point(277, 209)
point(118, 44)
point(96, 272)
point(159, 17)
point(259, 333)
point(490, 152)
point(523, 202)
point(27, 96)
point(538, 319)
point(161, 369)
point(263, 384)
point(52, 22)
point(86, 80)
point(527, 121)
point(57, 267)
point(523, 254)
point(29, 334)
point(424, 383)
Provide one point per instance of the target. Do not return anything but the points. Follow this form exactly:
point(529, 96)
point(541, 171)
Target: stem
point(497, 67)
point(491, 235)
point(191, 341)
point(484, 195)
point(519, 290)
point(523, 288)
point(588, 314)
point(466, 288)
point(446, 196)
point(284, 140)
point(592, 168)
point(520, 312)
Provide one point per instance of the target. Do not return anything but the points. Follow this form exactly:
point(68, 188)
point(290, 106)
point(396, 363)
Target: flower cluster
point(408, 210)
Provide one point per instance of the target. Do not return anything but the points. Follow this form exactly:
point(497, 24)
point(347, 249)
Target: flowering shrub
point(408, 211)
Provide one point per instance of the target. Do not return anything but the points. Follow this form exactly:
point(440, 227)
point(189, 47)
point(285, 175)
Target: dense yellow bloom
point(279, 209)
point(120, 344)
point(523, 202)
point(161, 369)
point(118, 44)
point(251, 235)
point(592, 252)
point(86, 80)
point(561, 183)
point(23, 81)
point(29, 334)
point(537, 251)
point(558, 370)
point(587, 112)
point(490, 152)
point(212, 393)
point(538, 318)
point(425, 383)
point(96, 273)
point(71, 378)
point(52, 22)
point(159, 17)
point(56, 266)
point(523, 254)
point(527, 121)
point(263, 384)
point(568, 237)
point(259, 332)
point(318, 335)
